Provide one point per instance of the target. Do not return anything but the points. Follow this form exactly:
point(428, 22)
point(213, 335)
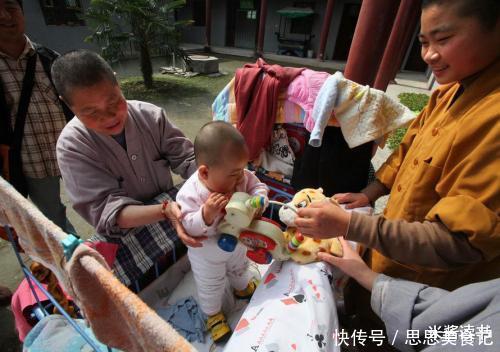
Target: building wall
point(59, 38)
point(190, 34)
point(196, 34)
point(65, 38)
point(219, 14)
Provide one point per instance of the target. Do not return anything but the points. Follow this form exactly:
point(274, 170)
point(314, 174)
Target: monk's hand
point(351, 264)
point(352, 200)
point(323, 220)
point(175, 218)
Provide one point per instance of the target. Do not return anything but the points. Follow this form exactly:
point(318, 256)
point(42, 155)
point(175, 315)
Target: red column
point(392, 52)
point(262, 27)
point(208, 24)
point(325, 29)
point(371, 34)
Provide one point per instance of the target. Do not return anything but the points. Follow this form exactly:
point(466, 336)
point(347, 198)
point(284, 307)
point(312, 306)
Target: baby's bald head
point(216, 142)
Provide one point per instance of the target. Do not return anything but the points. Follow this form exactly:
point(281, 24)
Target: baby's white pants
point(211, 265)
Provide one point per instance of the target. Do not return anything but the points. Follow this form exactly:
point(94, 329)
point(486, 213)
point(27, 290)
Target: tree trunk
point(146, 66)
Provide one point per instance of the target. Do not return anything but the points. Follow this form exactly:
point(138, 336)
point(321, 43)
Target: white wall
point(58, 38)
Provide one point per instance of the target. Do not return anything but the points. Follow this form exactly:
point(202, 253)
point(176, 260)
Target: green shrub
point(395, 137)
point(413, 101)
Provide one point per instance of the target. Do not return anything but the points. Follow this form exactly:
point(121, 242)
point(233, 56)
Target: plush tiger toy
point(304, 249)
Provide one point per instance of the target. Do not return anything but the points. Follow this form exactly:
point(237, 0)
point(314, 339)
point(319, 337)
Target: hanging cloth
point(256, 90)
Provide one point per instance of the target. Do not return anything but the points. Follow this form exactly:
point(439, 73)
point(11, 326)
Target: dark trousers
point(334, 166)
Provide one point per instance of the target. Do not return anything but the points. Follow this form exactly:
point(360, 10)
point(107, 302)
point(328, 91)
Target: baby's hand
point(352, 200)
point(266, 203)
point(213, 206)
point(260, 203)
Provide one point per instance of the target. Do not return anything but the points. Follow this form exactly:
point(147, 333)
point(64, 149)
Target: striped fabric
point(45, 118)
point(224, 108)
point(141, 247)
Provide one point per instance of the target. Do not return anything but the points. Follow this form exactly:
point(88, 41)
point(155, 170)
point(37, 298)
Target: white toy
point(264, 237)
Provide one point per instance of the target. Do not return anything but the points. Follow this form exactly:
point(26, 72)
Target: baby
point(221, 155)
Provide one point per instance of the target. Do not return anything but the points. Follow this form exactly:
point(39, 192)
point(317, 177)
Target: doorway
point(413, 60)
point(350, 14)
point(232, 5)
point(242, 23)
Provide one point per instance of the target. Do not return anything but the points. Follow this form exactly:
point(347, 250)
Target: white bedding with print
point(293, 309)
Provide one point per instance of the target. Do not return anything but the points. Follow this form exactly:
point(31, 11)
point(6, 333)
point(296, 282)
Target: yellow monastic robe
point(447, 169)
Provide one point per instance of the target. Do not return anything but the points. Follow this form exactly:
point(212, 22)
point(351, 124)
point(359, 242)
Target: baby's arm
point(192, 215)
point(256, 188)
point(253, 185)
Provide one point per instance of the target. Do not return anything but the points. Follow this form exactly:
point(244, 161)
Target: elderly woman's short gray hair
point(80, 69)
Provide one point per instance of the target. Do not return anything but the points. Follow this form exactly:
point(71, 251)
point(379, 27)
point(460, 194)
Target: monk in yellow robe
point(441, 223)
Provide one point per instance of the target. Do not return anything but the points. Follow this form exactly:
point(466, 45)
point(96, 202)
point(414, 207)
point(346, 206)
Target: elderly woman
point(115, 157)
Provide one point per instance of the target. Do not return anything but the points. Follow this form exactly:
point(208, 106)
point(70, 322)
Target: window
point(302, 25)
point(62, 12)
point(199, 11)
point(251, 15)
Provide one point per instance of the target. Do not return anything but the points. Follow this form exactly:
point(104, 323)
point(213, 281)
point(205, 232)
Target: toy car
point(262, 236)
